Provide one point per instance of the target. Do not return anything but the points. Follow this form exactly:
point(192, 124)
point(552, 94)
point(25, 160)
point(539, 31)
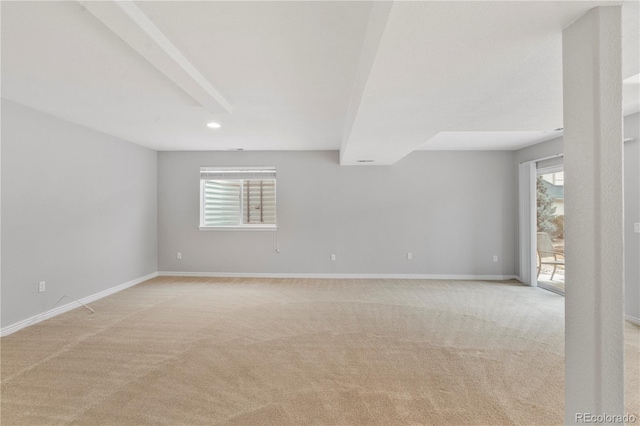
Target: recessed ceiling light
point(213, 125)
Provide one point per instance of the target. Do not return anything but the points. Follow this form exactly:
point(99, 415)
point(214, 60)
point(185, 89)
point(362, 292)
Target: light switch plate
point(636, 227)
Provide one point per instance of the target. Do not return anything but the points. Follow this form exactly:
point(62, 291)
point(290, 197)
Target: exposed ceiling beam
point(129, 23)
point(375, 29)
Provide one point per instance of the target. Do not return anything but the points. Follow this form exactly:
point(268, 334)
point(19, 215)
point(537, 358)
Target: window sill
point(238, 228)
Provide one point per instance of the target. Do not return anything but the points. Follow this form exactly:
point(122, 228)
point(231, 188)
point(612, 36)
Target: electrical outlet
point(179, 255)
point(495, 257)
point(333, 257)
point(636, 228)
point(409, 256)
point(42, 286)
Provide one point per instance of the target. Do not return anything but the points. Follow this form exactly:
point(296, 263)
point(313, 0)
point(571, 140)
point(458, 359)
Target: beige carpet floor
point(271, 351)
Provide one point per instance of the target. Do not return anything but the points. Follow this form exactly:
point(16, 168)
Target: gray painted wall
point(452, 210)
point(79, 211)
point(632, 215)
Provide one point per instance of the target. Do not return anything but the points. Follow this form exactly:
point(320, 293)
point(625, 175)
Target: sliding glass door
point(550, 228)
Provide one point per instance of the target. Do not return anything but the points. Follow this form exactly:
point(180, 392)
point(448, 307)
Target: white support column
point(594, 318)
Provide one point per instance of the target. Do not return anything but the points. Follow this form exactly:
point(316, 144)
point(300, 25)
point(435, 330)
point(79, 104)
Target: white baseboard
point(72, 305)
point(336, 276)
point(632, 319)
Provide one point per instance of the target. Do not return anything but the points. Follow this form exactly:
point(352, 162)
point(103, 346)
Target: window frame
point(241, 226)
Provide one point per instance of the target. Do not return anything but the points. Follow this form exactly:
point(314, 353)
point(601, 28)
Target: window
point(237, 198)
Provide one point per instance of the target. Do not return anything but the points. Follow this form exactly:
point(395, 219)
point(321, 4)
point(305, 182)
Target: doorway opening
point(550, 229)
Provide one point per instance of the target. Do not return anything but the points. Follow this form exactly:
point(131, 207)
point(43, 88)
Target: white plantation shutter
point(208, 173)
point(221, 202)
point(238, 197)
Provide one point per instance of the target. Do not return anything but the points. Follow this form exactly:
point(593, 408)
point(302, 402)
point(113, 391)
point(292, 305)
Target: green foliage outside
point(558, 221)
point(546, 212)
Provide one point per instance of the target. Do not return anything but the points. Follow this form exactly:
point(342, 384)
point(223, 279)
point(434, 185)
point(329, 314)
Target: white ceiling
point(376, 80)
point(494, 141)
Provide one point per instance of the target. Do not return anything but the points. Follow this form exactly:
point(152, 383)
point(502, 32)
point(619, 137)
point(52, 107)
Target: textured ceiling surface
point(376, 80)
